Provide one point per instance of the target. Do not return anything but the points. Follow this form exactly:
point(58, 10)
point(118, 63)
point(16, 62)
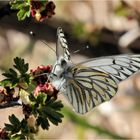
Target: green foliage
point(34, 8)
point(20, 65)
point(11, 78)
point(23, 8)
point(17, 129)
point(46, 110)
point(17, 76)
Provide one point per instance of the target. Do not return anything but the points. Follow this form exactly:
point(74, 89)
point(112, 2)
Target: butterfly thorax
point(59, 71)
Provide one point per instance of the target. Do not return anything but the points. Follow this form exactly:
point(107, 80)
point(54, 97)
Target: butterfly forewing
point(119, 67)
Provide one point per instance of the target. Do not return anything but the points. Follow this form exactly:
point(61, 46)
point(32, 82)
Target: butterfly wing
point(62, 49)
point(119, 67)
point(95, 81)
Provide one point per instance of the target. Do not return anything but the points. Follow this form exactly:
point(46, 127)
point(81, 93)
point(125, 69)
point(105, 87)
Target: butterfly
point(90, 83)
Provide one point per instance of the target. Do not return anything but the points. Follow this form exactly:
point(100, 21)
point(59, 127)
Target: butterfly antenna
point(40, 75)
point(33, 34)
point(48, 75)
point(48, 45)
point(83, 48)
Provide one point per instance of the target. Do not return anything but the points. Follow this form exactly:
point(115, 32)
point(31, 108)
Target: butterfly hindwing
point(88, 88)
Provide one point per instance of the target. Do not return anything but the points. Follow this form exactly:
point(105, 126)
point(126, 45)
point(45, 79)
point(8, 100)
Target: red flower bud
point(41, 69)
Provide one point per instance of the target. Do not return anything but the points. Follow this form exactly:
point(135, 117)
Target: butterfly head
point(59, 68)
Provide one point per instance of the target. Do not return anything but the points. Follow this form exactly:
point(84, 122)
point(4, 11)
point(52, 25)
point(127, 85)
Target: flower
point(40, 75)
point(42, 10)
point(24, 96)
point(41, 69)
point(46, 88)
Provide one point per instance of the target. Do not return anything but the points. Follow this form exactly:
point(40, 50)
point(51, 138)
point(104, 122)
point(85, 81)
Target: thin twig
point(11, 104)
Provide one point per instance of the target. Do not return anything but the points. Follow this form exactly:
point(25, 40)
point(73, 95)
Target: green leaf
point(43, 122)
point(10, 74)
point(23, 8)
point(11, 78)
point(41, 98)
point(21, 5)
point(17, 130)
point(14, 127)
point(32, 86)
point(32, 98)
point(13, 72)
point(47, 111)
point(9, 82)
point(25, 80)
point(53, 121)
point(56, 105)
point(9, 127)
point(5, 82)
point(21, 14)
point(28, 13)
point(24, 127)
point(21, 78)
point(14, 120)
point(15, 4)
point(20, 65)
point(52, 113)
point(18, 137)
point(51, 101)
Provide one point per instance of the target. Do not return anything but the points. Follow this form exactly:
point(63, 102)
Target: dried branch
point(11, 104)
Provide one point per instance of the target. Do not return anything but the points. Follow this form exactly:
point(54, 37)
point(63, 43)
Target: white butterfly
point(93, 82)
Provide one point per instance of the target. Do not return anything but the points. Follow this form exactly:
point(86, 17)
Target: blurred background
point(108, 27)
